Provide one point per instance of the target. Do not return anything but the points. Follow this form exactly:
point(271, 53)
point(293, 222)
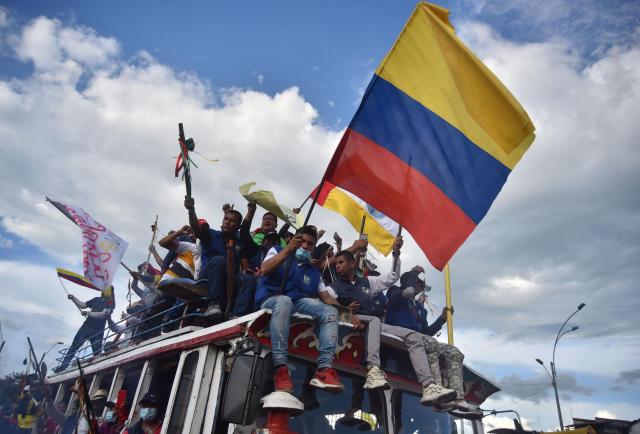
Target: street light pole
point(554, 383)
point(554, 374)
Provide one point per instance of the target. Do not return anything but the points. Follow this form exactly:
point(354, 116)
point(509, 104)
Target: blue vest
point(399, 311)
point(359, 292)
point(302, 281)
point(217, 247)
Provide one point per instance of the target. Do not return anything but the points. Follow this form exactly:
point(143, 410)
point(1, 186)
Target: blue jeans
point(324, 316)
point(215, 271)
point(245, 293)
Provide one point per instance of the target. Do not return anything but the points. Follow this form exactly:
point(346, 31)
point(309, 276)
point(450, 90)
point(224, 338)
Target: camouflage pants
point(445, 363)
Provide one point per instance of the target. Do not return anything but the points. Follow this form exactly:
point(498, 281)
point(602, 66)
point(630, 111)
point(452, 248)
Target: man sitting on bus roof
point(351, 289)
point(215, 248)
point(255, 246)
point(404, 310)
point(291, 283)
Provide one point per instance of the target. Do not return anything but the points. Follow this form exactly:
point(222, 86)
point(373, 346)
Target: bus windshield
point(411, 417)
point(353, 411)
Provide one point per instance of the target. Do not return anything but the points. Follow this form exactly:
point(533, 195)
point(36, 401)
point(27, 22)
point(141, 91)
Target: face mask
point(147, 413)
point(303, 255)
point(108, 416)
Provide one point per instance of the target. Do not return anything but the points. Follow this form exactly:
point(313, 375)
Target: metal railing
point(139, 332)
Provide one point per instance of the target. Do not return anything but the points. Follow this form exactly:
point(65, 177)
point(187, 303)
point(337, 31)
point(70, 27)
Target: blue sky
point(90, 93)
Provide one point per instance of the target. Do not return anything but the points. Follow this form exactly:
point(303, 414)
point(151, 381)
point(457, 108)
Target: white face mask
point(148, 413)
point(108, 416)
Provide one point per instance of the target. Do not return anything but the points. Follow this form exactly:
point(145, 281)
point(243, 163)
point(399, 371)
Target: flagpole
point(153, 240)
point(447, 294)
point(395, 258)
point(67, 292)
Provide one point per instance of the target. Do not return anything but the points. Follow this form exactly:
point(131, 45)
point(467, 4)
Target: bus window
point(65, 393)
point(158, 380)
point(105, 380)
point(411, 417)
point(181, 402)
point(127, 380)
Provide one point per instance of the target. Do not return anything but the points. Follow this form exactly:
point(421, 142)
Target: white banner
point(102, 250)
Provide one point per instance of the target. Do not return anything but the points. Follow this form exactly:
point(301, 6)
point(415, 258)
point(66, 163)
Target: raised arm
point(156, 256)
point(272, 264)
point(134, 285)
point(80, 304)
point(196, 227)
point(382, 282)
point(170, 242)
point(245, 227)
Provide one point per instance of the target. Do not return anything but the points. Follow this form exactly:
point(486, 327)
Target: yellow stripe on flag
point(340, 202)
point(431, 65)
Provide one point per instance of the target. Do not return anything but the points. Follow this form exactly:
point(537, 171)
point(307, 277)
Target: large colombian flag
point(434, 139)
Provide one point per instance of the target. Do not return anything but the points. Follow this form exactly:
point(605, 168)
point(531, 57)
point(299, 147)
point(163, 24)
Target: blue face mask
point(108, 416)
point(303, 255)
point(147, 413)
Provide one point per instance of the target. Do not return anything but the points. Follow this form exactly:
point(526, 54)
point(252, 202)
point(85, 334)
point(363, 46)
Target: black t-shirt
point(97, 304)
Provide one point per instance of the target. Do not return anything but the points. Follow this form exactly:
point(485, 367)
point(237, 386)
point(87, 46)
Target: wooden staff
point(185, 159)
point(395, 258)
point(153, 240)
point(231, 282)
point(447, 293)
point(361, 255)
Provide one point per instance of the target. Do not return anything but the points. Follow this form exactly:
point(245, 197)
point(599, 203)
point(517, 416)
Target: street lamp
point(47, 352)
point(553, 374)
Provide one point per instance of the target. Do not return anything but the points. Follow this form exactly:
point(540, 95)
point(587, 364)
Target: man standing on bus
point(350, 289)
point(298, 293)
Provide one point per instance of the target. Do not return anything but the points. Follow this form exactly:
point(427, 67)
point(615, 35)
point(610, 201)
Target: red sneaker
point(282, 380)
point(327, 379)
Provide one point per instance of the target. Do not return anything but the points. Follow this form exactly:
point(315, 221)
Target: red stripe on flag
point(403, 194)
point(326, 189)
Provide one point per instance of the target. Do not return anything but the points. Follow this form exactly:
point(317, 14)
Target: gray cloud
point(538, 388)
point(628, 377)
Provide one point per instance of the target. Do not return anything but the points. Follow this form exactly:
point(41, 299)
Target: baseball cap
point(150, 398)
point(100, 393)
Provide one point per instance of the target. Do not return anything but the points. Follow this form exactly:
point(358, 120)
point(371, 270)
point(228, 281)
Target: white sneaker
point(434, 394)
point(376, 379)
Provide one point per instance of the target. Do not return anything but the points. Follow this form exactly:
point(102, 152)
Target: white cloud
point(605, 414)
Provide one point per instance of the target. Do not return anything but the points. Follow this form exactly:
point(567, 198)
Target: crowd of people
point(242, 270)
point(33, 414)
